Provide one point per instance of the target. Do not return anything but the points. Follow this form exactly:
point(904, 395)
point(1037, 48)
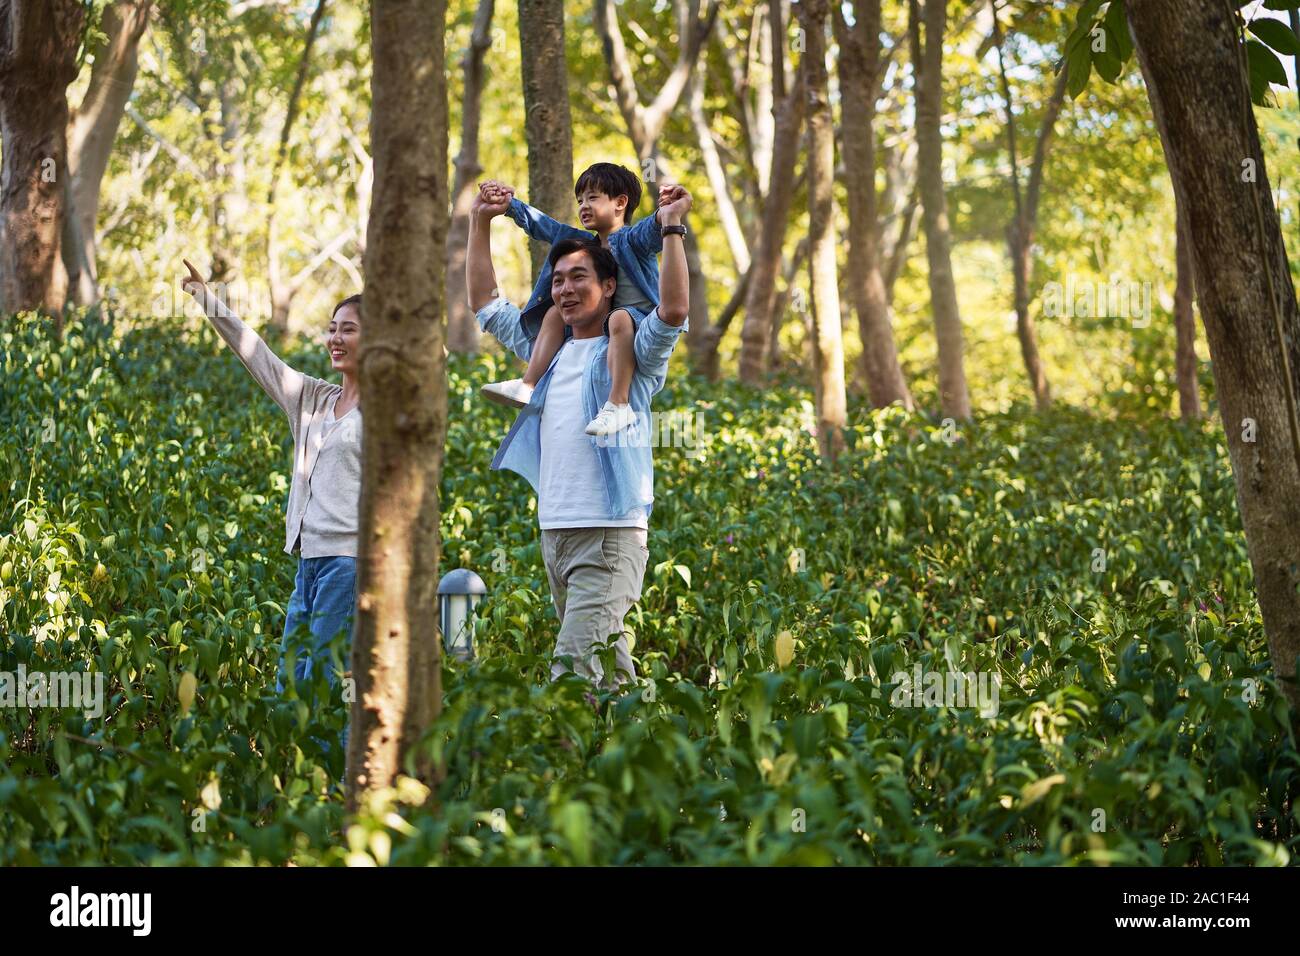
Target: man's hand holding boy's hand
point(493, 199)
point(495, 191)
point(674, 201)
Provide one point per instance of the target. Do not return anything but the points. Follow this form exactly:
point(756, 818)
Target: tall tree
point(284, 291)
point(927, 66)
point(827, 347)
point(861, 70)
point(91, 132)
point(462, 329)
point(547, 124)
point(788, 109)
point(39, 40)
point(645, 122)
point(1193, 56)
point(1024, 220)
point(1189, 395)
point(395, 652)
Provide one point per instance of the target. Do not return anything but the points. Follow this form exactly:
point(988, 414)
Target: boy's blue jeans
point(324, 598)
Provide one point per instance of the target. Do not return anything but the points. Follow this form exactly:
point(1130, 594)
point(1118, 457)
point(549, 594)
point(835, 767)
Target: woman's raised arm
point(282, 383)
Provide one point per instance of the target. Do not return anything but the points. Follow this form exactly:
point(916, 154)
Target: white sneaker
point(612, 418)
point(515, 392)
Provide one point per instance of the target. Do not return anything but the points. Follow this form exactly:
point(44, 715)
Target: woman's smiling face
point(343, 339)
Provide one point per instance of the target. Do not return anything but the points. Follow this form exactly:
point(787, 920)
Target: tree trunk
point(927, 62)
point(737, 243)
point(1189, 398)
point(1020, 231)
point(547, 125)
point(781, 303)
point(859, 73)
point(93, 129)
point(645, 121)
point(396, 658)
point(462, 329)
point(38, 59)
point(827, 344)
point(1192, 54)
point(788, 107)
point(282, 292)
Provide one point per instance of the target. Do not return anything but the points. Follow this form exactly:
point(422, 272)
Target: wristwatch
point(673, 231)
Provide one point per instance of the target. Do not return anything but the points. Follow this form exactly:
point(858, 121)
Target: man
point(594, 498)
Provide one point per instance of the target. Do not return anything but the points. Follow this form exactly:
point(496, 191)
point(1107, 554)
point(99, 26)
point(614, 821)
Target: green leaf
point(1107, 61)
point(685, 572)
point(1277, 35)
point(1079, 64)
point(1263, 62)
point(1117, 25)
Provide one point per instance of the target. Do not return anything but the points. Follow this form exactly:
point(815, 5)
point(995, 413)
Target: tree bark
point(396, 658)
point(1192, 55)
point(1020, 231)
point(93, 130)
point(859, 71)
point(282, 292)
point(1189, 397)
point(38, 59)
point(927, 62)
point(645, 123)
point(462, 329)
point(827, 345)
point(547, 124)
point(788, 107)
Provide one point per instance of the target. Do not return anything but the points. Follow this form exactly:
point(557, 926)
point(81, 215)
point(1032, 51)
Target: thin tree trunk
point(93, 129)
point(645, 123)
point(823, 274)
point(1020, 230)
point(1189, 399)
point(781, 304)
point(859, 71)
point(547, 124)
point(737, 243)
point(38, 59)
point(756, 332)
point(462, 329)
point(396, 658)
point(1194, 61)
point(283, 293)
point(927, 61)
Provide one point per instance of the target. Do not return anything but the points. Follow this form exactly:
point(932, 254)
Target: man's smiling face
point(581, 297)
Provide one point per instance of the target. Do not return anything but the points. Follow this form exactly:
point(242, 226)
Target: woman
point(321, 518)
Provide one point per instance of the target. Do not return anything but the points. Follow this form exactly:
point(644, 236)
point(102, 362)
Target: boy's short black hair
point(350, 300)
point(612, 180)
point(602, 259)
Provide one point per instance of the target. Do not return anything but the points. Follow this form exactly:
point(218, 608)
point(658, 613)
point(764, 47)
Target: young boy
point(607, 194)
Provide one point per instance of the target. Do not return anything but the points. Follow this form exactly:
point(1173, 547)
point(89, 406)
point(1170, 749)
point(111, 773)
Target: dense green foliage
point(144, 481)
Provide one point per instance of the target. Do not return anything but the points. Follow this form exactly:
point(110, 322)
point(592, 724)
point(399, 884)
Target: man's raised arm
point(495, 315)
point(674, 286)
point(480, 276)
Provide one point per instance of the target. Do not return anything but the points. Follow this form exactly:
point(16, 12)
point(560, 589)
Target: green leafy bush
point(1097, 567)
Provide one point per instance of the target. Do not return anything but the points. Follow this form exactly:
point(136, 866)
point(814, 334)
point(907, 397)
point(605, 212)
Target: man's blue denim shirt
point(634, 248)
point(626, 460)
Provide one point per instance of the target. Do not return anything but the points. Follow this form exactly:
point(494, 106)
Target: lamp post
point(459, 592)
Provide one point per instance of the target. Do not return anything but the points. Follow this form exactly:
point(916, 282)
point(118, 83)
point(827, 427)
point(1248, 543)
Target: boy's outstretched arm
point(535, 223)
point(495, 315)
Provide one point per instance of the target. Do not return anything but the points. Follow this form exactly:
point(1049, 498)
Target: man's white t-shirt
point(572, 489)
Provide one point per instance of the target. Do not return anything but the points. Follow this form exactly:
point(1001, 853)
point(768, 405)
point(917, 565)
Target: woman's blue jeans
point(324, 598)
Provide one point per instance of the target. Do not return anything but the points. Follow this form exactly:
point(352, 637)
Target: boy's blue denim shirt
point(634, 248)
point(626, 463)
